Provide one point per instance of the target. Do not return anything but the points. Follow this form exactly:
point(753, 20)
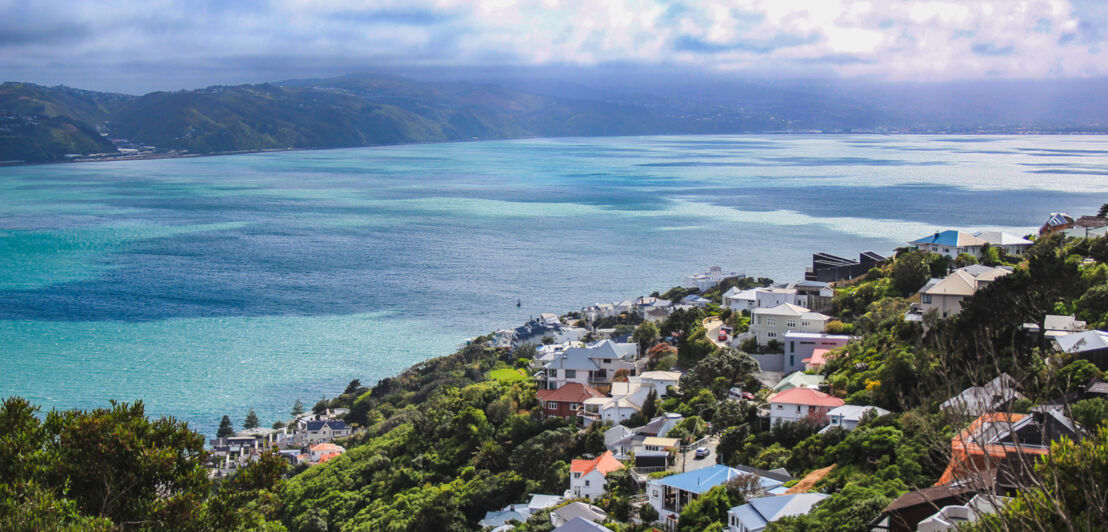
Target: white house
point(956, 516)
point(592, 365)
point(773, 296)
point(951, 243)
point(660, 381)
point(796, 404)
point(977, 400)
point(587, 478)
point(612, 410)
point(324, 431)
point(1011, 244)
point(755, 515)
point(709, 279)
point(772, 323)
point(848, 416)
point(321, 452)
point(736, 299)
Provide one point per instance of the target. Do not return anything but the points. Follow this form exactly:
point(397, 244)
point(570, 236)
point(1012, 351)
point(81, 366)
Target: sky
point(137, 46)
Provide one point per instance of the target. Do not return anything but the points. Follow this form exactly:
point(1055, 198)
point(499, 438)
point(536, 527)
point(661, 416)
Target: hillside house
point(951, 244)
point(797, 404)
point(768, 324)
point(945, 296)
point(587, 478)
point(566, 401)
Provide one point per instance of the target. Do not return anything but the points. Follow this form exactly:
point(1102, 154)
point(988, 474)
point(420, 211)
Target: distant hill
point(45, 123)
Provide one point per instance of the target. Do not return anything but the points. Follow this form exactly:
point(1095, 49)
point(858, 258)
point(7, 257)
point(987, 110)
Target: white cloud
point(929, 40)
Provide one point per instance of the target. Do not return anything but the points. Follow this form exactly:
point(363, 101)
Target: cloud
point(100, 41)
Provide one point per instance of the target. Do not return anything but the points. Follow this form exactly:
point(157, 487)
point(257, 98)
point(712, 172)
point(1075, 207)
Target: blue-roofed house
point(669, 495)
point(951, 243)
point(497, 519)
point(756, 514)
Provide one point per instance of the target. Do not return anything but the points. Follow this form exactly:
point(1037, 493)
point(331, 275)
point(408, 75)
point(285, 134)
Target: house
point(623, 441)
point(709, 279)
point(566, 401)
point(769, 482)
point(951, 243)
point(695, 300)
point(955, 516)
point(797, 404)
point(769, 324)
point(497, 519)
point(613, 410)
point(736, 299)
point(815, 295)
point(669, 495)
point(817, 360)
point(1088, 227)
point(945, 296)
point(997, 394)
point(540, 502)
point(581, 524)
point(798, 379)
point(848, 416)
point(905, 513)
point(577, 510)
point(1006, 443)
point(1009, 243)
point(1058, 221)
point(801, 345)
point(759, 512)
point(660, 381)
point(324, 431)
point(322, 452)
point(1055, 325)
point(829, 268)
point(1089, 345)
point(592, 365)
point(587, 477)
point(773, 296)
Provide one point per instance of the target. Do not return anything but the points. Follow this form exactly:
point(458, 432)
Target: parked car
point(701, 452)
point(738, 393)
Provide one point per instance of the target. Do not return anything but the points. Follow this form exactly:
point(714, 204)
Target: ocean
point(211, 285)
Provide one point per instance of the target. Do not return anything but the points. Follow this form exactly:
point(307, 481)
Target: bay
point(207, 286)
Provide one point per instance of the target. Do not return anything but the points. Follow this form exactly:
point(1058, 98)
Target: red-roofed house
point(322, 452)
point(565, 401)
point(587, 477)
point(817, 360)
point(796, 404)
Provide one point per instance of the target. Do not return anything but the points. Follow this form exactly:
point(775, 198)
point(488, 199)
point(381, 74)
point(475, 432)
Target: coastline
point(155, 156)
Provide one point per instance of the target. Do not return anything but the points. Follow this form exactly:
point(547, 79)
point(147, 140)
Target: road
point(689, 461)
point(711, 326)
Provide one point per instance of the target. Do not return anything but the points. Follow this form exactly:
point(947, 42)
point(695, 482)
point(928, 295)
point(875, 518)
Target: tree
point(1103, 211)
point(910, 273)
point(297, 408)
point(650, 405)
point(251, 421)
point(646, 335)
point(353, 387)
point(225, 428)
point(648, 514)
point(706, 512)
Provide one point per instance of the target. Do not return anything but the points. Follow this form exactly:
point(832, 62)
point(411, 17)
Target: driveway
point(689, 461)
point(711, 326)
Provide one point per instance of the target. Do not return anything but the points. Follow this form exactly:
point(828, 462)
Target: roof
point(325, 448)
point(950, 238)
point(328, 456)
point(701, 480)
point(805, 396)
point(1054, 322)
point(855, 412)
point(1082, 341)
point(764, 510)
point(335, 424)
point(580, 510)
point(818, 358)
point(541, 502)
point(798, 379)
point(1058, 219)
point(999, 238)
point(789, 309)
point(780, 475)
point(927, 497)
point(661, 375)
point(963, 281)
point(605, 463)
point(495, 519)
point(664, 443)
point(570, 392)
point(578, 524)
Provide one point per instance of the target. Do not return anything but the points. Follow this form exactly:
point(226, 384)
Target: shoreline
point(155, 156)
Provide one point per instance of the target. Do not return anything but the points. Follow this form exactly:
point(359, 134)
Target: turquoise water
point(211, 285)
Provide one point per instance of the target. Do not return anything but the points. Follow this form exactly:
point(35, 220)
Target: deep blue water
point(207, 286)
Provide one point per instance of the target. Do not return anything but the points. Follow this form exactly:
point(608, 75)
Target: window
point(926, 299)
point(586, 483)
point(574, 406)
point(805, 324)
point(792, 346)
point(571, 373)
point(780, 407)
point(551, 405)
point(790, 324)
point(771, 321)
point(792, 360)
point(797, 409)
point(554, 373)
point(771, 334)
point(607, 361)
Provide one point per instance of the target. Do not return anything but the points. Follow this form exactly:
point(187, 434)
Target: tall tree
point(251, 421)
point(225, 428)
point(297, 408)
